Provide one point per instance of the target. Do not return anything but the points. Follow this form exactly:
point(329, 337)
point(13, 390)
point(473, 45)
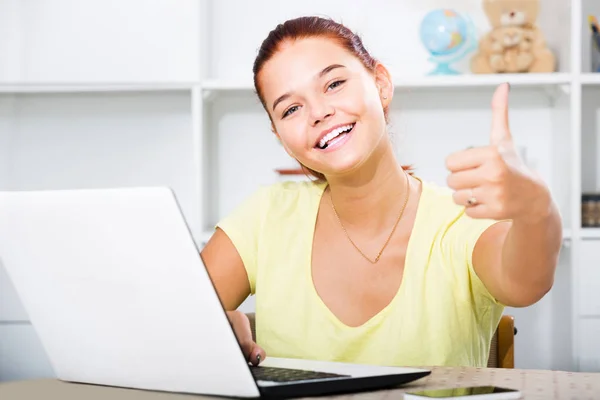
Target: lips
point(332, 134)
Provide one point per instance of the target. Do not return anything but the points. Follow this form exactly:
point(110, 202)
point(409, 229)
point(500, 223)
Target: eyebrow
point(324, 72)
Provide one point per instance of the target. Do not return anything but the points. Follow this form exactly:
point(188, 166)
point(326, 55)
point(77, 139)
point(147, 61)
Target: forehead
point(297, 63)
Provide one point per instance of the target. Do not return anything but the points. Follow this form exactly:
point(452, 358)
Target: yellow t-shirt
point(441, 315)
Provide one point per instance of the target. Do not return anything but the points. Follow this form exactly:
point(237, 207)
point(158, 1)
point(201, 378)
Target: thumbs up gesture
point(493, 181)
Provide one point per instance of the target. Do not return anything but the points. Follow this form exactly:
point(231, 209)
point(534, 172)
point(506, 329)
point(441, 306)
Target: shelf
point(225, 86)
point(484, 80)
point(84, 87)
point(213, 85)
point(424, 82)
point(590, 233)
point(590, 79)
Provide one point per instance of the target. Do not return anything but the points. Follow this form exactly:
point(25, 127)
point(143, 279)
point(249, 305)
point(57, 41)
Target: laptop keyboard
point(289, 375)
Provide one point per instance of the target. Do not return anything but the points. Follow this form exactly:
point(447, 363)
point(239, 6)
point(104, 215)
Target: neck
point(371, 197)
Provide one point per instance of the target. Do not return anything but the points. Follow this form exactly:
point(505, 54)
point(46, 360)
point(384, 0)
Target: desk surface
point(534, 384)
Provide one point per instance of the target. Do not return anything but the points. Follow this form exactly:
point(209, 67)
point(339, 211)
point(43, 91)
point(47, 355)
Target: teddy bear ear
point(493, 10)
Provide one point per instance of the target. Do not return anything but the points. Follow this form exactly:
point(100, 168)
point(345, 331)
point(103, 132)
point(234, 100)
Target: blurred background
point(107, 93)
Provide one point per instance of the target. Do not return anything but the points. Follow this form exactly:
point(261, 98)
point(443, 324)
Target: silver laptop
point(116, 290)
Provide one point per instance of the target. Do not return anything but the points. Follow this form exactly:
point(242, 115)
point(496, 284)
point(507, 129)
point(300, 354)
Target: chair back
point(502, 348)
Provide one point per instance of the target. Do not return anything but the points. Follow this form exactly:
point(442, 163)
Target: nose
point(512, 14)
point(320, 111)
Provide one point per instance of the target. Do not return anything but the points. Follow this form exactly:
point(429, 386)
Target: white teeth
point(334, 133)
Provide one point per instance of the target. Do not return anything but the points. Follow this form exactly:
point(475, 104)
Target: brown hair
point(305, 27)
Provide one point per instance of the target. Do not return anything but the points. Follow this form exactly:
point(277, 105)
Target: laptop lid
point(115, 288)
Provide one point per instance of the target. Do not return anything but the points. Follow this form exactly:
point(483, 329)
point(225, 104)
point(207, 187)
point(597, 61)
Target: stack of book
point(592, 20)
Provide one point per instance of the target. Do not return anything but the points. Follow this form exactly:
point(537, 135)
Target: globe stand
point(442, 68)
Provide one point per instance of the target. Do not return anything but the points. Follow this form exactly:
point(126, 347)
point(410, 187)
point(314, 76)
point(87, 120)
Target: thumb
point(500, 127)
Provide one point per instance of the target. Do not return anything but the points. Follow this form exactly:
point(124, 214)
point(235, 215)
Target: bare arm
point(226, 269)
point(517, 261)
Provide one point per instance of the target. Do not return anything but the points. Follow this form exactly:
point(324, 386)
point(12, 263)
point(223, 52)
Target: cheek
point(371, 102)
point(293, 136)
point(360, 104)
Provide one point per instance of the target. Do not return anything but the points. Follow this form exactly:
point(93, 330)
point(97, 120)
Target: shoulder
point(278, 198)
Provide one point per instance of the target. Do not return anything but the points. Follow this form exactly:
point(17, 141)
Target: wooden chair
point(502, 349)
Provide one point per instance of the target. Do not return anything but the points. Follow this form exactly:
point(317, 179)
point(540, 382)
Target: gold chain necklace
point(391, 233)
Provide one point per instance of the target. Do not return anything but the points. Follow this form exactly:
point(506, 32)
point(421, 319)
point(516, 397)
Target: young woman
point(368, 263)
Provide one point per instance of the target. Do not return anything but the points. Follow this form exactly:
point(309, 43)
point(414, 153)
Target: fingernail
point(257, 359)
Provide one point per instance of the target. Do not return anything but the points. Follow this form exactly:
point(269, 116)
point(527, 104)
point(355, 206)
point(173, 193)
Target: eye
point(289, 111)
point(335, 84)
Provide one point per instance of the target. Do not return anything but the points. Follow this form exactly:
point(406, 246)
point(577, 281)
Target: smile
point(335, 136)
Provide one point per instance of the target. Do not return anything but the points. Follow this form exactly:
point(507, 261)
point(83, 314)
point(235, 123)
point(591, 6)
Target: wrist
point(541, 210)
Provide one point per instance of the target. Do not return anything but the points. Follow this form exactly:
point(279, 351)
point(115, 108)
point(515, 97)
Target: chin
point(342, 165)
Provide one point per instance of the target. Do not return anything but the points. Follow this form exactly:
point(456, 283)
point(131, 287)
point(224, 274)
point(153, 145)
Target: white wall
point(100, 40)
point(10, 40)
point(104, 140)
point(7, 119)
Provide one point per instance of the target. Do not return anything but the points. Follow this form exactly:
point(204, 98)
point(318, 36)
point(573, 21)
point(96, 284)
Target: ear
point(385, 86)
point(493, 11)
point(531, 10)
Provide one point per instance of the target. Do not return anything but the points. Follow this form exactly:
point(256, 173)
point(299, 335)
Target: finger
point(469, 197)
point(500, 126)
point(465, 179)
point(479, 211)
point(243, 332)
point(246, 344)
point(257, 355)
point(467, 159)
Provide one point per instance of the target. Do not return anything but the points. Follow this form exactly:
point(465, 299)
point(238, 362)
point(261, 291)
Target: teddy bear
point(511, 49)
point(515, 43)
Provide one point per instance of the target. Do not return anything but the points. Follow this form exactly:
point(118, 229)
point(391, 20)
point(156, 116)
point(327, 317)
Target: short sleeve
point(466, 231)
point(243, 226)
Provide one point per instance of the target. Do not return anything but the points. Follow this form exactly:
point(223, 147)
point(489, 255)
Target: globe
point(448, 36)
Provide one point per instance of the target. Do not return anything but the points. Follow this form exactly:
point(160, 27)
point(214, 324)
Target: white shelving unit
point(100, 99)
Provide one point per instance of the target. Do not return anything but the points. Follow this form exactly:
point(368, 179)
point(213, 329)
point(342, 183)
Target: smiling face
point(325, 106)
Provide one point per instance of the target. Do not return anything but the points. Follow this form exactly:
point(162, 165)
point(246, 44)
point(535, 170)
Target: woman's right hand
point(241, 326)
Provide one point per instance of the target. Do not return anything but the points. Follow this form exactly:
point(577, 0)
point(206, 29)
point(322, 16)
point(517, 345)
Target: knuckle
point(498, 208)
point(497, 173)
point(451, 181)
point(494, 153)
point(456, 197)
point(450, 163)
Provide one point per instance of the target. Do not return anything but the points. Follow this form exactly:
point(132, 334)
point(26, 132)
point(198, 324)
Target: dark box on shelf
point(590, 210)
